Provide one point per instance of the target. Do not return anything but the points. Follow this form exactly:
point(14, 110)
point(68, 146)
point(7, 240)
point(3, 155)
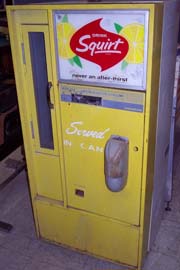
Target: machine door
point(103, 153)
point(39, 102)
point(40, 91)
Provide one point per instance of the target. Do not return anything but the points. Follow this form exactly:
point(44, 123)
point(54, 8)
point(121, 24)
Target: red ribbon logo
point(99, 46)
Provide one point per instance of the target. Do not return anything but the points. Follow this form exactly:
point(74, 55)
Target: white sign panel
point(102, 48)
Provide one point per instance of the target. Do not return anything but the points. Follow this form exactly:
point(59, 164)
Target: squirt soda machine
point(95, 88)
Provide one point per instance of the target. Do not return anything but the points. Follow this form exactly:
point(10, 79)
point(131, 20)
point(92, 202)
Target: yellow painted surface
point(108, 93)
point(27, 16)
point(56, 105)
point(81, 6)
point(101, 222)
point(90, 233)
point(14, 26)
point(30, 86)
point(48, 176)
point(40, 179)
point(84, 159)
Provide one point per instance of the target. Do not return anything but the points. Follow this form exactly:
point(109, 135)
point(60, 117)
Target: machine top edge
point(46, 2)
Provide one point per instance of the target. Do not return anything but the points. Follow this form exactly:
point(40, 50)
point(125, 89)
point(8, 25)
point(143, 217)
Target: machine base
point(97, 235)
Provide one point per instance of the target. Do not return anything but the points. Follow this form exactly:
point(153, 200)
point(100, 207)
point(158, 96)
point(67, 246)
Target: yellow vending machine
point(95, 88)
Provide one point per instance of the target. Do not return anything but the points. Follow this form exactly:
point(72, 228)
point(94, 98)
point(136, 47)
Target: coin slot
point(90, 100)
point(79, 192)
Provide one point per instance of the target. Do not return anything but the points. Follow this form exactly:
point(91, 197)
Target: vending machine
point(95, 87)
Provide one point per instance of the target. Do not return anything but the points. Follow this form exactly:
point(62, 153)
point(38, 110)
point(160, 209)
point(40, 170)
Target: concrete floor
point(21, 250)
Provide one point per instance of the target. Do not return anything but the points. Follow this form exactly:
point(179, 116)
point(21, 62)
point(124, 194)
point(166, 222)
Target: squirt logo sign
point(103, 49)
point(99, 46)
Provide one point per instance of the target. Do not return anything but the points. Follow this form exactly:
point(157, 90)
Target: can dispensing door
point(116, 163)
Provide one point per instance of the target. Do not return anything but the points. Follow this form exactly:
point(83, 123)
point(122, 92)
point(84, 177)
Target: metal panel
point(171, 143)
point(90, 233)
point(38, 85)
point(86, 130)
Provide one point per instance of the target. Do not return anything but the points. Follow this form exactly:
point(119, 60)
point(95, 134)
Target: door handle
point(49, 86)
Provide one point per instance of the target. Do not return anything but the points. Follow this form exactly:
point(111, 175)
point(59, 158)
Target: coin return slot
point(79, 192)
point(90, 100)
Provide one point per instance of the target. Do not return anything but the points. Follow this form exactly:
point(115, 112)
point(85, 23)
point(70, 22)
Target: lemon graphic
point(134, 33)
point(65, 31)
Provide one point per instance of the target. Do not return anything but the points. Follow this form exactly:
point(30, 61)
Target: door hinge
point(32, 129)
point(23, 54)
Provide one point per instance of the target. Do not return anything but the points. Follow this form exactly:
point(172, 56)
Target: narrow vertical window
point(40, 80)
